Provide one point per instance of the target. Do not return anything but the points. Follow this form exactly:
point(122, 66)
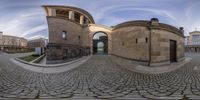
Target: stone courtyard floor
point(99, 78)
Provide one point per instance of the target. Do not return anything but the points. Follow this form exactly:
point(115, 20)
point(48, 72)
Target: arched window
point(64, 35)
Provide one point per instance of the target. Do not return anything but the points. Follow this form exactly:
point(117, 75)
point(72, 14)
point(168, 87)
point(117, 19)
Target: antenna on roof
point(195, 28)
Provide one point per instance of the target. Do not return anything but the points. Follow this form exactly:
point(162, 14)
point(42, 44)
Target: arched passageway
point(100, 43)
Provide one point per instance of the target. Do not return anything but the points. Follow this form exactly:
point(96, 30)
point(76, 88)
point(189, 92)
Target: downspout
point(149, 46)
point(153, 23)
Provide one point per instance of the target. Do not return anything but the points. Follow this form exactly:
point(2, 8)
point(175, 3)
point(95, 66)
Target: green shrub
point(29, 58)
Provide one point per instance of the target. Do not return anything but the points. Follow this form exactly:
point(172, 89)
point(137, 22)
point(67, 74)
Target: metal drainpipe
point(149, 46)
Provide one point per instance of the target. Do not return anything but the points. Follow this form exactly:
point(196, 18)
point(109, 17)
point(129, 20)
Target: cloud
point(34, 30)
point(11, 27)
point(23, 23)
point(37, 37)
point(152, 10)
point(32, 14)
point(105, 12)
point(27, 18)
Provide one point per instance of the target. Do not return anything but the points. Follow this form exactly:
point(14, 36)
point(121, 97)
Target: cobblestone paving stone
point(99, 78)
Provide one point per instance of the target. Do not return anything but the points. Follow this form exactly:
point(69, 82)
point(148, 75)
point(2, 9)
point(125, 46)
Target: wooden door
point(173, 51)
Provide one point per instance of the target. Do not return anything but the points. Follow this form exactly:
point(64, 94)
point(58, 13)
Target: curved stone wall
point(58, 25)
point(160, 51)
point(130, 42)
point(143, 41)
point(71, 13)
point(60, 48)
point(147, 41)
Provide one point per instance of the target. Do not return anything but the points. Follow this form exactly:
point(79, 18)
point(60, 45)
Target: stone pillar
point(91, 43)
point(52, 12)
point(81, 19)
point(71, 15)
point(87, 21)
point(182, 30)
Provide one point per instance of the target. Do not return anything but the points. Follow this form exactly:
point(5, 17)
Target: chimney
point(182, 30)
point(154, 22)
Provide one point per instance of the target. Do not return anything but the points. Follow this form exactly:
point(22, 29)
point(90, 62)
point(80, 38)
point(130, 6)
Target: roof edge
point(72, 7)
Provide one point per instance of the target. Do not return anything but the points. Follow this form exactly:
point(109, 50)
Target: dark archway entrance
point(100, 43)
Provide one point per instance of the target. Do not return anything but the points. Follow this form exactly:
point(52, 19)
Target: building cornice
point(71, 8)
point(4, 36)
point(145, 23)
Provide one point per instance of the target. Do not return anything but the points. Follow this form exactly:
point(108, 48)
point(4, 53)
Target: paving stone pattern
point(98, 78)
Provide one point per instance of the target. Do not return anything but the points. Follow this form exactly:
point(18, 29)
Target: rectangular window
point(146, 39)
point(85, 20)
point(123, 43)
point(64, 35)
point(136, 40)
point(62, 13)
point(77, 17)
point(79, 39)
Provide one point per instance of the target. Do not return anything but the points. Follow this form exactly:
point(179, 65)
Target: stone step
point(164, 97)
point(193, 97)
point(130, 97)
point(64, 95)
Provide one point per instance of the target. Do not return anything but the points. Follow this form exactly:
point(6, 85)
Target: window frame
point(136, 41)
point(64, 35)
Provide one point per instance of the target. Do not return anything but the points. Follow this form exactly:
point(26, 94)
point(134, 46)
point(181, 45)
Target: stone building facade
point(194, 38)
point(37, 43)
point(71, 32)
point(149, 42)
point(193, 42)
point(12, 43)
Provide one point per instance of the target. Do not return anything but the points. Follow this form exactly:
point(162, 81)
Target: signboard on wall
point(38, 50)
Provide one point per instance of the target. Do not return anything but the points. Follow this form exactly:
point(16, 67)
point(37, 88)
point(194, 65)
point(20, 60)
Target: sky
point(26, 18)
point(98, 35)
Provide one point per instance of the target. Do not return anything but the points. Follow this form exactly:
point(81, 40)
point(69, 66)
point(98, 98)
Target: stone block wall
point(143, 41)
point(75, 44)
point(95, 28)
point(131, 42)
point(58, 25)
point(85, 37)
point(14, 41)
point(160, 46)
point(57, 53)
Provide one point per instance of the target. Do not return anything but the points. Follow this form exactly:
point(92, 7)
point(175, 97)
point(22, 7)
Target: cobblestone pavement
point(99, 78)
